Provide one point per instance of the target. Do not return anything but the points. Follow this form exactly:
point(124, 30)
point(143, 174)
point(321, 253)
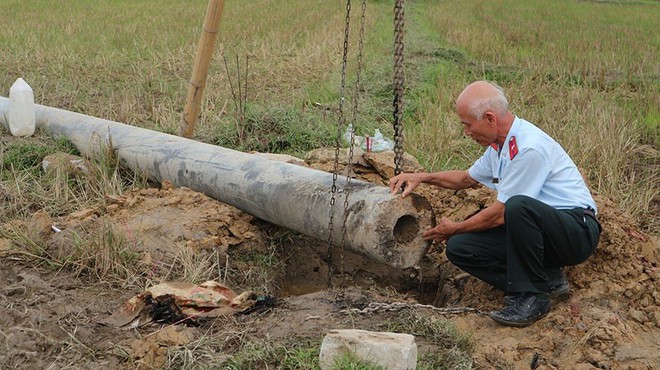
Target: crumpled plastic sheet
point(177, 301)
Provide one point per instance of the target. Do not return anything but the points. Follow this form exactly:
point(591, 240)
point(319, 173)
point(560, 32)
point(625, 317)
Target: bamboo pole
point(205, 49)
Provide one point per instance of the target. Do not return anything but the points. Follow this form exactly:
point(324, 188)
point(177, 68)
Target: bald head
point(480, 97)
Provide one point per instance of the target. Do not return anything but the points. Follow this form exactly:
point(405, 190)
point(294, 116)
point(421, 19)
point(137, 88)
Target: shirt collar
point(512, 132)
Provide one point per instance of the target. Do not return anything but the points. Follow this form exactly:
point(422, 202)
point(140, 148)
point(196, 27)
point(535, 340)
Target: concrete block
point(391, 351)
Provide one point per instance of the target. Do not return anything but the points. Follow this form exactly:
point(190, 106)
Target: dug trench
point(55, 299)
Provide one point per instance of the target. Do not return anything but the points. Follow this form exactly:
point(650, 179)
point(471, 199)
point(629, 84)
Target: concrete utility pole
point(205, 49)
point(384, 227)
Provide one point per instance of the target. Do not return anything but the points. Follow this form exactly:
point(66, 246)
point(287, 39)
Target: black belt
point(590, 213)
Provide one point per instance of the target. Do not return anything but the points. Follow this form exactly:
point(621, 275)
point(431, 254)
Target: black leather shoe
point(509, 299)
point(559, 287)
point(524, 310)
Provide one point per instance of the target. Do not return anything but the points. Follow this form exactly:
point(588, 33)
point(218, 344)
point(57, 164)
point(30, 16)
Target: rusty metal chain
point(376, 307)
point(399, 80)
point(340, 125)
point(353, 121)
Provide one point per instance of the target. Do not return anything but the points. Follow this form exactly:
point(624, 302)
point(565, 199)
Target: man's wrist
point(457, 227)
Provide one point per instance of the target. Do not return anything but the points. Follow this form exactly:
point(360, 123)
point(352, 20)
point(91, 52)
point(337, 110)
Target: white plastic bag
point(357, 141)
point(380, 143)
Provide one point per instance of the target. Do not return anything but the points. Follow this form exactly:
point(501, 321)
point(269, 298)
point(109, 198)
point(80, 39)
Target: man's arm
point(487, 218)
point(445, 179)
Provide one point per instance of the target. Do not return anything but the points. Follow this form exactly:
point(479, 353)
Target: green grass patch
point(452, 349)
point(58, 191)
point(284, 355)
point(277, 129)
point(23, 155)
point(349, 361)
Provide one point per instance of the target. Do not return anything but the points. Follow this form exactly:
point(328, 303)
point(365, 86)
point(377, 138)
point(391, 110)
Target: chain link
point(356, 99)
point(376, 307)
point(340, 125)
point(399, 80)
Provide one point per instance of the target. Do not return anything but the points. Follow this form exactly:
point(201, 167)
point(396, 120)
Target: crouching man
point(544, 217)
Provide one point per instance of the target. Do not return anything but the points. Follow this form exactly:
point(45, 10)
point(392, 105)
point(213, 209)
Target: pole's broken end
point(389, 228)
point(408, 245)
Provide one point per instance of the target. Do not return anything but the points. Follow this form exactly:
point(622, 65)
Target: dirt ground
point(51, 318)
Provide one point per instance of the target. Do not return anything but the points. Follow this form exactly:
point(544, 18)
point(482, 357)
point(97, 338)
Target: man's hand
point(442, 231)
point(444, 179)
point(408, 181)
point(485, 219)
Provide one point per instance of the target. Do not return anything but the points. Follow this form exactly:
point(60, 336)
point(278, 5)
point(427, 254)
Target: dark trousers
point(527, 252)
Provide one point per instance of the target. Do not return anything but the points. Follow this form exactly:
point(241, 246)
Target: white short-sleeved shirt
point(532, 163)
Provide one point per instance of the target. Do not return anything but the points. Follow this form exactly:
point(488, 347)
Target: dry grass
point(582, 71)
point(101, 254)
point(586, 72)
point(569, 67)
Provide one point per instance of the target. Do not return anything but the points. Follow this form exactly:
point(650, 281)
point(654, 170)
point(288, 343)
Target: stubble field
point(584, 71)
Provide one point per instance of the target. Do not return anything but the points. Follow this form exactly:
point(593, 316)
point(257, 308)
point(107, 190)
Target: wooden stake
point(205, 49)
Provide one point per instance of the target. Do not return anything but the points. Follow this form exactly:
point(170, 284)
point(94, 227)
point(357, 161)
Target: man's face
point(483, 131)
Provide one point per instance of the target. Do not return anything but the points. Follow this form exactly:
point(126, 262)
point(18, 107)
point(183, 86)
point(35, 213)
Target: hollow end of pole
point(409, 218)
point(406, 229)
